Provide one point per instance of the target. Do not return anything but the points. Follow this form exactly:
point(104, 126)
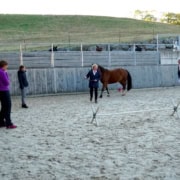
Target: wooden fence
point(62, 80)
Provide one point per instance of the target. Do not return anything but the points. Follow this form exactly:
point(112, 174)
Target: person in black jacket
point(179, 70)
point(23, 84)
point(94, 77)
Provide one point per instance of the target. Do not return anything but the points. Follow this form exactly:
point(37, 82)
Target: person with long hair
point(5, 97)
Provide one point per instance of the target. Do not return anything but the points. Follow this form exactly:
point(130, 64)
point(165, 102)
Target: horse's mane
point(101, 68)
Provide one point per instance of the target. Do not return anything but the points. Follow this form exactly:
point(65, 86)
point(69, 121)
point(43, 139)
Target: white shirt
point(94, 72)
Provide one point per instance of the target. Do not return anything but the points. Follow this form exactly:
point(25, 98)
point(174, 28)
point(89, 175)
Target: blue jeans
point(5, 113)
point(23, 95)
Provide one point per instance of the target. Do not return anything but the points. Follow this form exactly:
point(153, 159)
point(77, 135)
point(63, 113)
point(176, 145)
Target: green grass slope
point(73, 29)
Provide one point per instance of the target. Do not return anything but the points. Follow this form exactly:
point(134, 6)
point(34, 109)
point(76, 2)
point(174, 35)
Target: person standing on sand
point(179, 70)
point(94, 77)
point(23, 84)
point(5, 97)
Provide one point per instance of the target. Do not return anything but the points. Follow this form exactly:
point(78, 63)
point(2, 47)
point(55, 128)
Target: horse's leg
point(108, 94)
point(124, 88)
point(102, 90)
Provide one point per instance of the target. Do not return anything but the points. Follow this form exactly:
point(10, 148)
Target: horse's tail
point(129, 84)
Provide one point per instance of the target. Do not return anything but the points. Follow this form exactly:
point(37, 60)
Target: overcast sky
point(116, 8)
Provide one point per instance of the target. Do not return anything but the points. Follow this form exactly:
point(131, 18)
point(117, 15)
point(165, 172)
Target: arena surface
point(56, 141)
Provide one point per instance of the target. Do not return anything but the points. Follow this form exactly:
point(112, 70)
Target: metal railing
point(79, 54)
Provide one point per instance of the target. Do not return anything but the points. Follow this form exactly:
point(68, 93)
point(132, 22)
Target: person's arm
point(88, 75)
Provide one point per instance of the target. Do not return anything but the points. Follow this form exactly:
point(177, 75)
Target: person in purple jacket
point(5, 97)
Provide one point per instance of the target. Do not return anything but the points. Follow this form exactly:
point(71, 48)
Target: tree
point(138, 14)
point(171, 18)
point(150, 17)
point(144, 15)
point(178, 19)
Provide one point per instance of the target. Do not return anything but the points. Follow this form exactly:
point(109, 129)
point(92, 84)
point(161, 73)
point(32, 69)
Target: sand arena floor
point(56, 141)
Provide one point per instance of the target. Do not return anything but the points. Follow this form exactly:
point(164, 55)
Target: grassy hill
point(69, 29)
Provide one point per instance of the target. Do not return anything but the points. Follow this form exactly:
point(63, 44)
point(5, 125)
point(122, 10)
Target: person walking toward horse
point(94, 77)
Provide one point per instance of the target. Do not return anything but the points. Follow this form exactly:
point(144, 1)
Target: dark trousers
point(95, 93)
point(5, 113)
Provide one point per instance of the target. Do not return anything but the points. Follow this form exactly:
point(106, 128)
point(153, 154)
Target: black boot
point(2, 124)
point(96, 94)
point(91, 94)
point(24, 106)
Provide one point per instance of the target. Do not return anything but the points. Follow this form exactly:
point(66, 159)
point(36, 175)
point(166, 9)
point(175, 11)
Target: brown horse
point(113, 76)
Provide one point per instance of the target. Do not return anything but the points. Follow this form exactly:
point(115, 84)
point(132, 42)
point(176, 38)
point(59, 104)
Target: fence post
point(82, 56)
point(159, 57)
point(55, 81)
point(109, 56)
point(52, 56)
point(157, 43)
point(134, 51)
point(21, 55)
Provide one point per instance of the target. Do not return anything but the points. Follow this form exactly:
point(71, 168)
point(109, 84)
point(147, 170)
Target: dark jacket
point(22, 79)
point(93, 79)
point(178, 71)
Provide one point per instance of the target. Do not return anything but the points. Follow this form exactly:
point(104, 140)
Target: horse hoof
point(100, 96)
point(123, 94)
point(108, 95)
